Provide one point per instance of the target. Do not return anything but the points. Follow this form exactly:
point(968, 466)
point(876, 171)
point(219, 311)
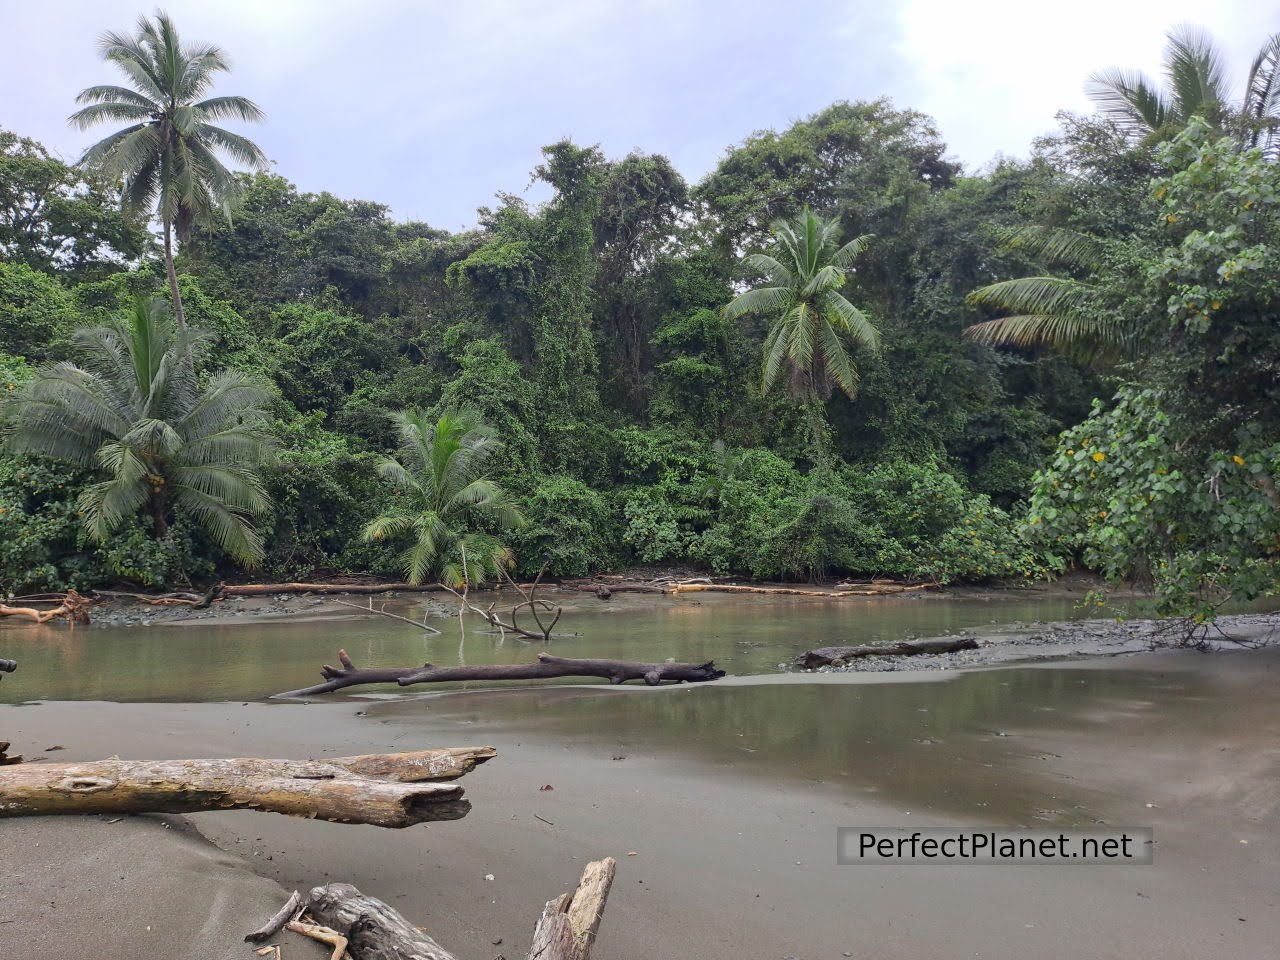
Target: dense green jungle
point(839, 353)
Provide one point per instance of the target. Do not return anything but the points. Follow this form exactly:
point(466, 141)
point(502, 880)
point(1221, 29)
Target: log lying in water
point(385, 790)
point(825, 656)
point(372, 930)
point(546, 667)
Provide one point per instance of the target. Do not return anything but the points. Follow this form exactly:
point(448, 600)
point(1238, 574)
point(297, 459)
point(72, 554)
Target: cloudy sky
point(431, 107)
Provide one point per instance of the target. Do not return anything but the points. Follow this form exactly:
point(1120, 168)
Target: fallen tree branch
point(394, 616)
point(825, 656)
point(323, 934)
point(370, 929)
point(179, 598)
point(385, 790)
point(72, 606)
point(265, 589)
point(291, 910)
point(546, 667)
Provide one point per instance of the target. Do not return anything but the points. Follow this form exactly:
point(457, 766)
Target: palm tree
point(1196, 86)
point(446, 501)
point(811, 318)
point(167, 443)
point(167, 155)
point(1062, 312)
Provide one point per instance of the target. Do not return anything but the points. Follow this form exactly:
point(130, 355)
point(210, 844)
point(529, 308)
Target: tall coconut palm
point(168, 444)
point(167, 157)
point(811, 319)
point(1196, 85)
point(446, 504)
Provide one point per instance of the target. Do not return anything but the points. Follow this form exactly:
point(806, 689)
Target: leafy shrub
point(568, 523)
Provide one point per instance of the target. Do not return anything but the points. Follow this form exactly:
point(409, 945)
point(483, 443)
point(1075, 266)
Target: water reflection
point(971, 745)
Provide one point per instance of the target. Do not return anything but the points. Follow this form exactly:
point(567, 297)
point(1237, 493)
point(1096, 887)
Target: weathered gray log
point(375, 931)
point(385, 790)
point(546, 667)
point(826, 655)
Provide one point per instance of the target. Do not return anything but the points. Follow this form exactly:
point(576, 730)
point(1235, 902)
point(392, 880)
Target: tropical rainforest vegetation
point(837, 353)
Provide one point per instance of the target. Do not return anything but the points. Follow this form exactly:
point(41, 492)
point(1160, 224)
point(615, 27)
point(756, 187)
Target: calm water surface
point(253, 659)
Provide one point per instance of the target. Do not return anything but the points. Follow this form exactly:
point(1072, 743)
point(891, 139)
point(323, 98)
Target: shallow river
point(729, 793)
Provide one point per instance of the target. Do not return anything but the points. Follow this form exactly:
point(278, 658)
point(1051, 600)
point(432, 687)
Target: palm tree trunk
point(159, 523)
point(173, 277)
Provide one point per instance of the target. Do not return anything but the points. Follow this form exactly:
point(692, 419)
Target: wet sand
point(734, 840)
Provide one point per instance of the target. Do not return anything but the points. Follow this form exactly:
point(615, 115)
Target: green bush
point(570, 525)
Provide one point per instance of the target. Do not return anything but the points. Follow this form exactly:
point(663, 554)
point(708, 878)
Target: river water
point(729, 793)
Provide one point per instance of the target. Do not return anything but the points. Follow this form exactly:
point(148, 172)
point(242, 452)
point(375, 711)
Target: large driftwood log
point(385, 790)
point(375, 931)
point(546, 667)
point(826, 655)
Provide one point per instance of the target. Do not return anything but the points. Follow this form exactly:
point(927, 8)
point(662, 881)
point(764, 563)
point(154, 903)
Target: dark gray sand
point(728, 865)
point(81, 887)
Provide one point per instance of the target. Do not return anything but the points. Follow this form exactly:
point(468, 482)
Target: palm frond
point(759, 300)
point(1035, 295)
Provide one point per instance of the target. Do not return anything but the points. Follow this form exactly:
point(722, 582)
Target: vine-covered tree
point(447, 507)
point(167, 155)
point(165, 442)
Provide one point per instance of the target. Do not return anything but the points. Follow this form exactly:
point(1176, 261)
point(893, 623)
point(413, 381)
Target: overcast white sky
point(431, 107)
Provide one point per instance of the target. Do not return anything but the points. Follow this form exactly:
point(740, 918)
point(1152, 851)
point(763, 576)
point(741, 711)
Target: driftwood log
point(72, 607)
point(5, 759)
point(385, 790)
point(604, 588)
point(372, 930)
point(825, 656)
point(546, 667)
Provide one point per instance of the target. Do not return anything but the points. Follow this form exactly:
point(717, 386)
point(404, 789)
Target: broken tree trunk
point(73, 607)
point(375, 931)
point(546, 667)
point(825, 656)
point(385, 790)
